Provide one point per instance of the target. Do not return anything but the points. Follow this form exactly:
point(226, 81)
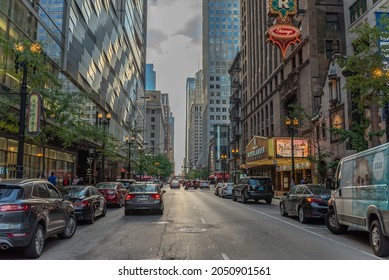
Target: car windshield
point(75, 191)
point(10, 193)
point(143, 188)
point(105, 186)
point(319, 190)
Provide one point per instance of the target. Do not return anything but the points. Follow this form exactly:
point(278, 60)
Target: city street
point(197, 225)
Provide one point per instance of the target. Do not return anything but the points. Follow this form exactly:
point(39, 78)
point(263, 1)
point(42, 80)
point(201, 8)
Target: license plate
point(142, 199)
point(260, 188)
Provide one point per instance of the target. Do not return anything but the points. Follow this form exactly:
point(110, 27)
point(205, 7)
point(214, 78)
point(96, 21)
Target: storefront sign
point(257, 149)
point(283, 8)
point(34, 113)
point(284, 147)
point(257, 152)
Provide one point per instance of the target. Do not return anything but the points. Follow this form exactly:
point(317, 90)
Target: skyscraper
point(221, 41)
point(190, 91)
point(151, 77)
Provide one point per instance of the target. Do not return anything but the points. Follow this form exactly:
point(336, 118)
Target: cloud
point(155, 38)
point(192, 29)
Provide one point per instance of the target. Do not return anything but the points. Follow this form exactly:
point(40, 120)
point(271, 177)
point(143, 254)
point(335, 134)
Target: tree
point(62, 111)
point(367, 80)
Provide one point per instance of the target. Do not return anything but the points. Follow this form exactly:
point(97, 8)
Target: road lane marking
point(309, 231)
point(203, 221)
point(225, 257)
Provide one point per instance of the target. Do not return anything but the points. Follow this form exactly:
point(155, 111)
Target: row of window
point(224, 4)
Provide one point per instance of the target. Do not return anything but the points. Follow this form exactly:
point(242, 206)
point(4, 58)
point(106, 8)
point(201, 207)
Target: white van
point(360, 197)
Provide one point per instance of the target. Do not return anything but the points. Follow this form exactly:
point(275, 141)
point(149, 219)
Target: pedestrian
point(304, 180)
point(66, 181)
point(53, 179)
point(80, 181)
point(292, 183)
point(75, 181)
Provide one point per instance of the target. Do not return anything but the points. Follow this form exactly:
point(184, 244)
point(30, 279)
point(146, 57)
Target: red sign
point(283, 36)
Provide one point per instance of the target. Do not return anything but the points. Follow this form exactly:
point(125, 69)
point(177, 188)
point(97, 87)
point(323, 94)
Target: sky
point(174, 47)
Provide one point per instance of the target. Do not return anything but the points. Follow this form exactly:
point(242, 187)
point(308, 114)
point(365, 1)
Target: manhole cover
point(192, 229)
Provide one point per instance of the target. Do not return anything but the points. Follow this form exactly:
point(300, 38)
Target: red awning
point(211, 177)
point(223, 175)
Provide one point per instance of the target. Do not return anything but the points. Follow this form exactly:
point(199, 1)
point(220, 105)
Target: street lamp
point(223, 157)
point(292, 124)
point(129, 141)
point(235, 153)
point(19, 50)
point(104, 122)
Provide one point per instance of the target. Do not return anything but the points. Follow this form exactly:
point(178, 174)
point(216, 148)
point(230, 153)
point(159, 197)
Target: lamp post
point(19, 50)
point(129, 141)
point(235, 153)
point(223, 157)
point(292, 124)
point(141, 151)
point(104, 123)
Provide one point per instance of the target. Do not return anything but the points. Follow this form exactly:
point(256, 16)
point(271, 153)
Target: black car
point(32, 210)
point(305, 201)
point(88, 202)
point(144, 196)
point(255, 188)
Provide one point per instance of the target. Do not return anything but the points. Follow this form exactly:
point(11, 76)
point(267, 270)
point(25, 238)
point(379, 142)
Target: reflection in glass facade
point(221, 41)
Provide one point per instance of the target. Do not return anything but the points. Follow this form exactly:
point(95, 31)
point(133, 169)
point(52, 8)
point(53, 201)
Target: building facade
point(221, 42)
point(151, 77)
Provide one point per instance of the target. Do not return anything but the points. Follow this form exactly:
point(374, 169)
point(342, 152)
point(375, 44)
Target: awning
point(223, 175)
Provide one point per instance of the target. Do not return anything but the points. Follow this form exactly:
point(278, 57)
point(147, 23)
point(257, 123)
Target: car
point(255, 188)
point(155, 181)
point(307, 201)
point(225, 190)
point(88, 202)
point(32, 210)
point(113, 192)
point(174, 184)
point(144, 196)
point(217, 187)
point(204, 185)
point(126, 182)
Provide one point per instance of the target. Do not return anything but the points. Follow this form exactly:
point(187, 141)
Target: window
point(53, 192)
point(357, 10)
point(152, 119)
point(332, 21)
point(40, 190)
point(153, 112)
point(152, 135)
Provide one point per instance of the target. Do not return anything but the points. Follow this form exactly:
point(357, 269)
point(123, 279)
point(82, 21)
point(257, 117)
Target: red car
point(113, 192)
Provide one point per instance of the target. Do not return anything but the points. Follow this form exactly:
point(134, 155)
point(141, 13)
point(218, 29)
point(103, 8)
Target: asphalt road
point(197, 225)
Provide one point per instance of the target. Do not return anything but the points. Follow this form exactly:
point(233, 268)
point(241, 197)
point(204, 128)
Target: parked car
point(225, 190)
point(174, 184)
point(113, 192)
point(144, 196)
point(217, 187)
point(204, 185)
point(88, 202)
point(126, 182)
point(305, 201)
point(254, 188)
point(32, 210)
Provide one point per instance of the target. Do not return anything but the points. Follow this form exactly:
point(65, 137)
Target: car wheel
point(268, 201)
point(160, 211)
point(379, 243)
point(302, 218)
point(104, 210)
point(283, 210)
point(35, 248)
point(92, 217)
point(333, 224)
point(233, 197)
point(243, 198)
point(70, 228)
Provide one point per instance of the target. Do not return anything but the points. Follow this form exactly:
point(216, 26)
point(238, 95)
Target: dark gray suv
point(32, 210)
point(255, 187)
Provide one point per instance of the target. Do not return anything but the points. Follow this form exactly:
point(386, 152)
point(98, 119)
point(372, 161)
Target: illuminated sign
point(283, 36)
point(283, 8)
point(284, 148)
point(34, 113)
point(283, 33)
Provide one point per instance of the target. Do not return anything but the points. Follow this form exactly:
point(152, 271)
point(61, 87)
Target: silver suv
point(32, 210)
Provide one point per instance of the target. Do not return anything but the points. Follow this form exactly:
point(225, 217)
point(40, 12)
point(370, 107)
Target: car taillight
point(14, 207)
point(156, 196)
point(312, 199)
point(81, 203)
point(130, 196)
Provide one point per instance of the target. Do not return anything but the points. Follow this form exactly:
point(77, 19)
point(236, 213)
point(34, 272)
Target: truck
point(360, 197)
